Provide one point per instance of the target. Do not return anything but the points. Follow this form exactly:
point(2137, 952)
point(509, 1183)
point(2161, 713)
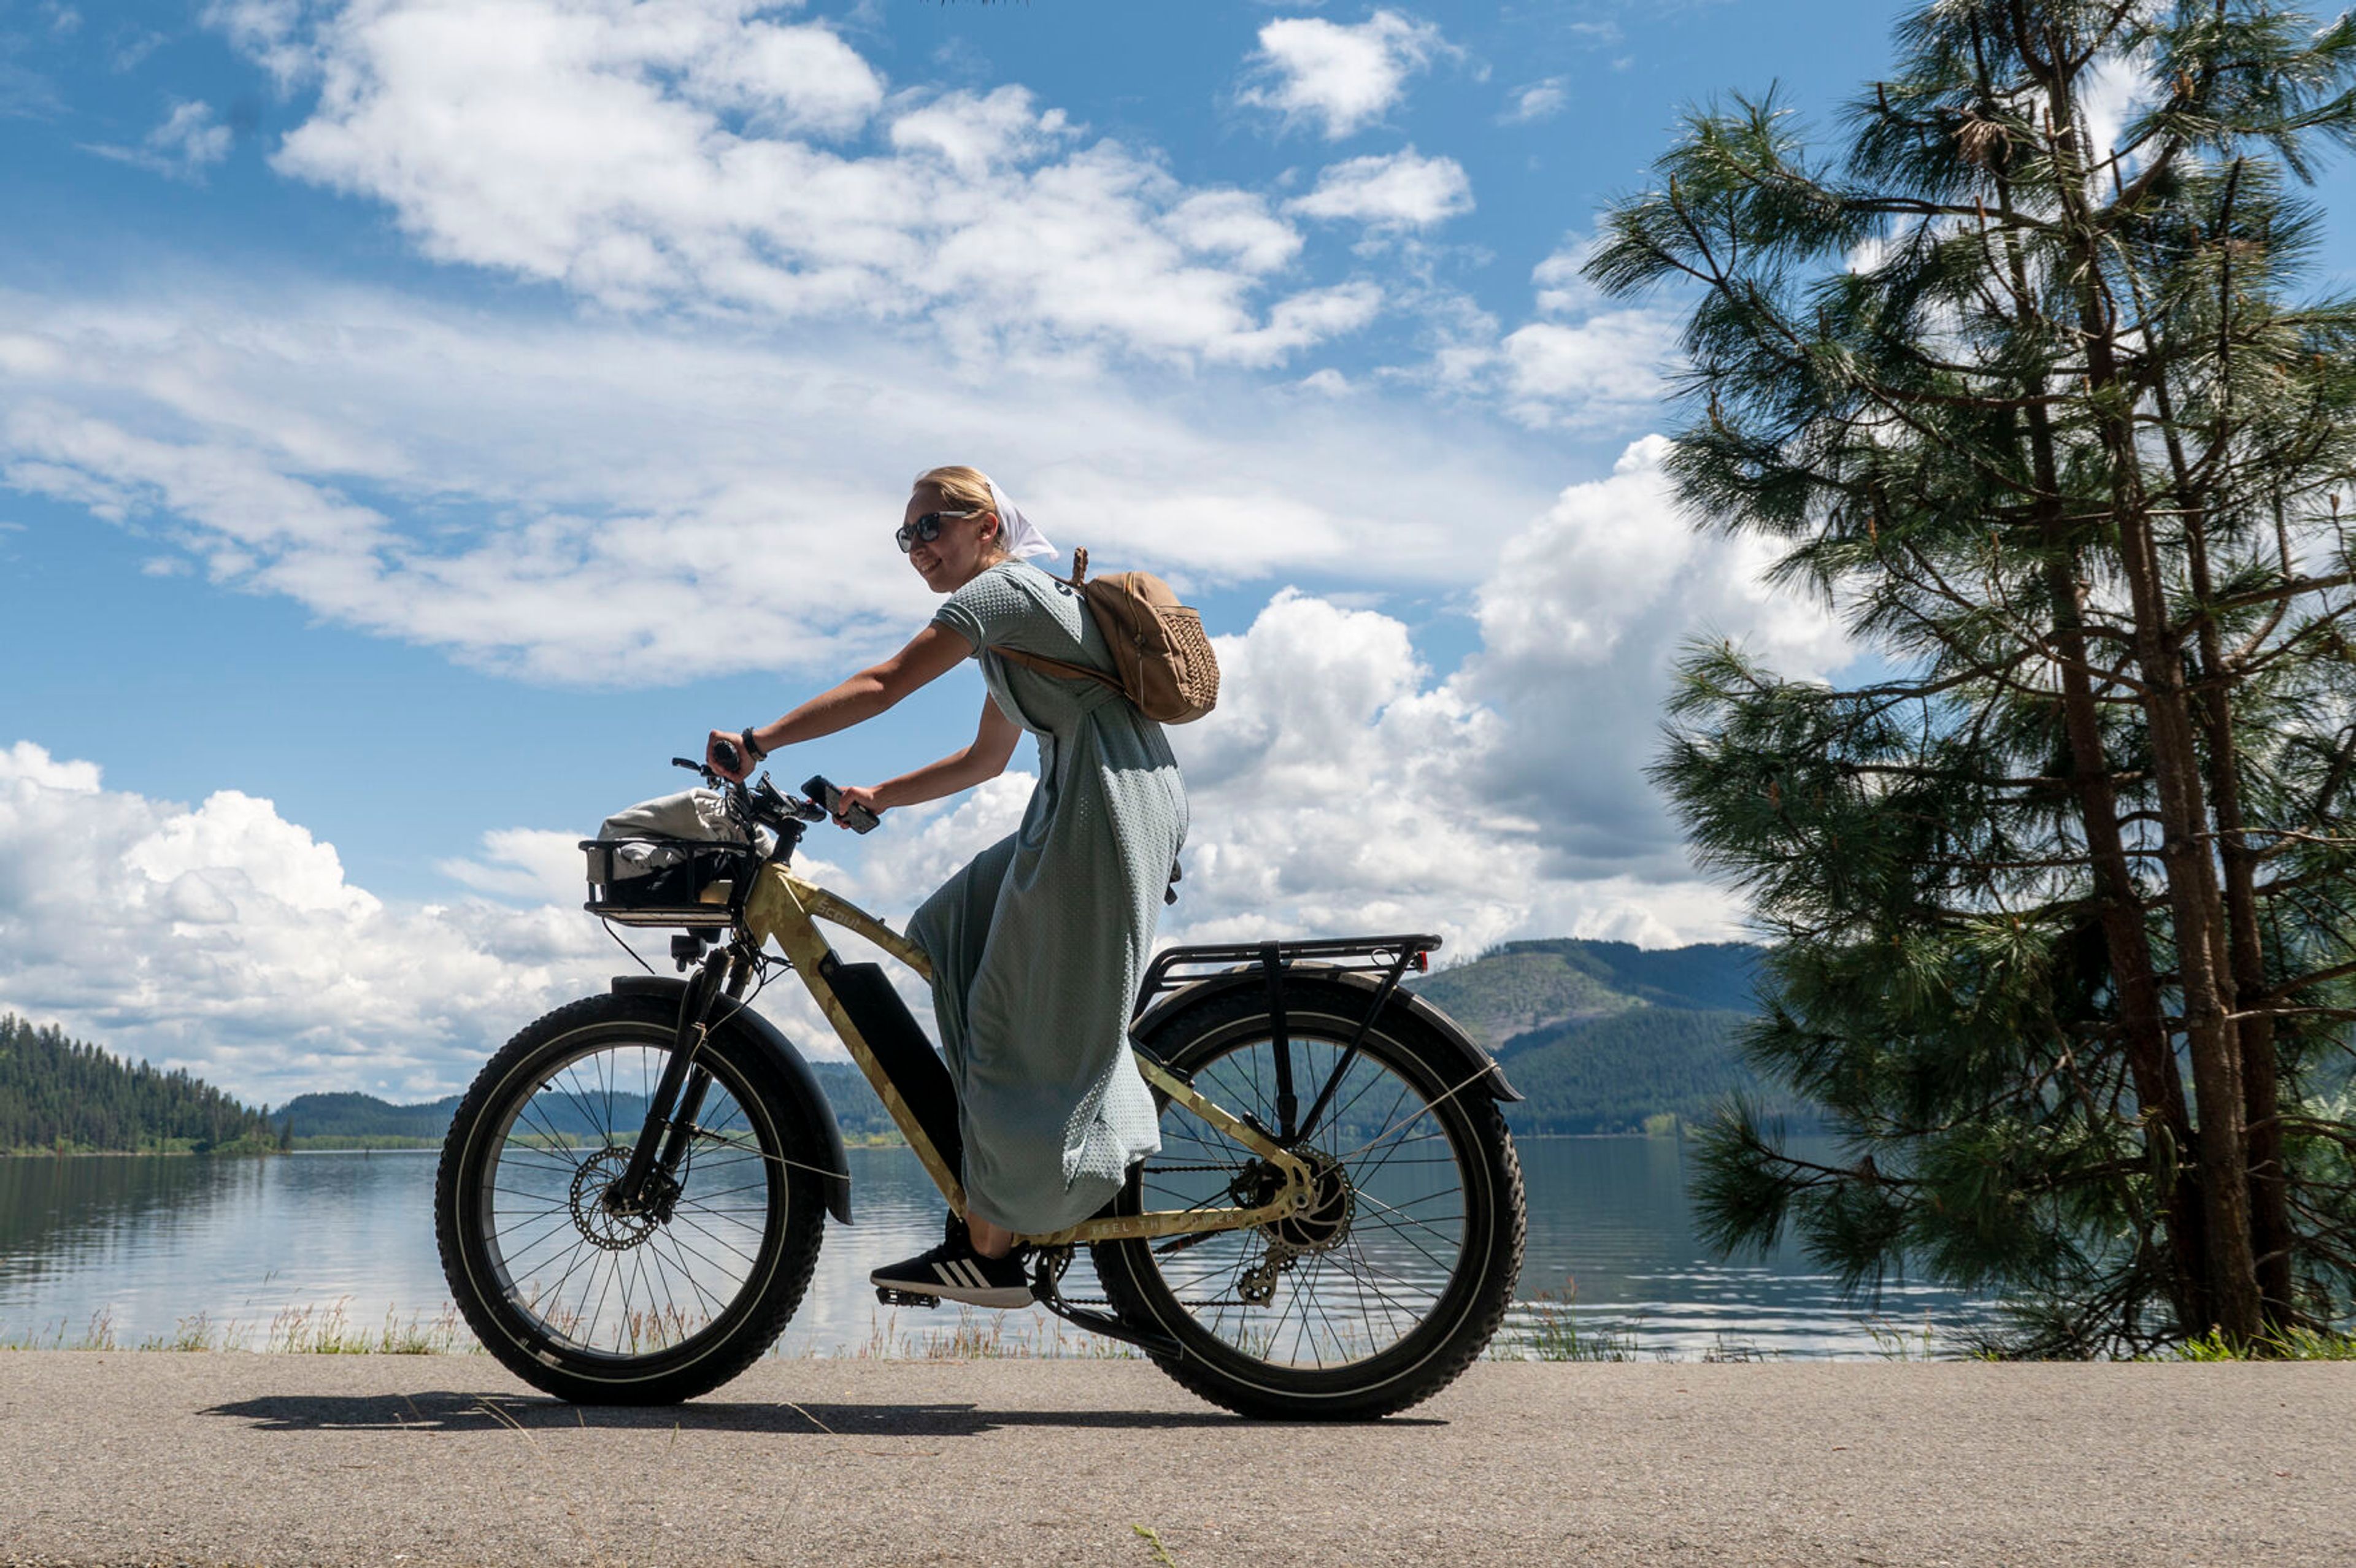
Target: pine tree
point(2062, 905)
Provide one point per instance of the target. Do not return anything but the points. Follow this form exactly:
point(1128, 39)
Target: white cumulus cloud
point(1395, 190)
point(1538, 101)
point(702, 155)
point(1583, 363)
point(222, 938)
point(1342, 78)
point(1581, 622)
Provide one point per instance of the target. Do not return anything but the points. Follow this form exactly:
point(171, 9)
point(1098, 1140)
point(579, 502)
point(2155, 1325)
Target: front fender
point(1463, 1046)
point(817, 1112)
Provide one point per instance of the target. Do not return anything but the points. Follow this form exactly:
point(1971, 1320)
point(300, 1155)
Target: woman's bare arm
point(930, 655)
point(986, 758)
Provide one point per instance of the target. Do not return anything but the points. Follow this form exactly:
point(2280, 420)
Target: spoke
point(1375, 1170)
point(1441, 1264)
point(704, 1200)
point(588, 1116)
point(717, 1306)
point(562, 1227)
point(716, 1241)
point(1338, 1116)
point(1372, 1267)
point(735, 1282)
point(1404, 1088)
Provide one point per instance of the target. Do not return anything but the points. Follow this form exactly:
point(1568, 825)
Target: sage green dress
point(1037, 946)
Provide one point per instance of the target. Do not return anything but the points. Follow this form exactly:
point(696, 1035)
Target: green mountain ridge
point(1522, 988)
point(1607, 1036)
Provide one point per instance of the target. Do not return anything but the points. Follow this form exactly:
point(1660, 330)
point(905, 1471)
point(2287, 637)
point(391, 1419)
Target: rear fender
point(1460, 1047)
point(817, 1112)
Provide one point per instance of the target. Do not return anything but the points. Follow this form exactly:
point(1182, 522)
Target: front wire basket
point(704, 885)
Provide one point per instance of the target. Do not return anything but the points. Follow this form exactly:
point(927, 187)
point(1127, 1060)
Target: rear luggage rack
point(1391, 956)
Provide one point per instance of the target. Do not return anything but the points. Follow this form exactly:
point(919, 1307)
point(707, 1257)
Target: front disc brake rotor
point(614, 1229)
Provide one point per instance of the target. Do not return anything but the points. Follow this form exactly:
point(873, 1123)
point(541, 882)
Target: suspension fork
point(678, 1095)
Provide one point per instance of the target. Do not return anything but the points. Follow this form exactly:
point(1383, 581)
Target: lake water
point(146, 1244)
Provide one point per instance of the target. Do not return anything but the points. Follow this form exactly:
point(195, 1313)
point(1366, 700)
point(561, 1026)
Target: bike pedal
point(891, 1298)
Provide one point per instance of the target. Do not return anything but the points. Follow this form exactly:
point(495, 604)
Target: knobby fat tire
point(746, 1327)
point(1470, 1312)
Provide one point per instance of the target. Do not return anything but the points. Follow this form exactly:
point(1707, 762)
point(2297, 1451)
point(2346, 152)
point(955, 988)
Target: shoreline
point(430, 1146)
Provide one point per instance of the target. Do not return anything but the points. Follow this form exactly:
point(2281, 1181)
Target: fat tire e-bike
point(632, 1194)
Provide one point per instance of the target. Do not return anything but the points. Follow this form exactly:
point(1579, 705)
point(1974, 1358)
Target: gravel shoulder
point(144, 1457)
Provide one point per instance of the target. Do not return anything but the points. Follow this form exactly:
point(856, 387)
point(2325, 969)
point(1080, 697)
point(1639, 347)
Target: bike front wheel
point(598, 1305)
point(1399, 1271)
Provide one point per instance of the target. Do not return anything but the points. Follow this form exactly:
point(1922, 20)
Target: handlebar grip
point(726, 753)
point(858, 818)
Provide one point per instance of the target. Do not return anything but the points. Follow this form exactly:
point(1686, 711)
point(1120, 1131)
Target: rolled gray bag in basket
point(698, 816)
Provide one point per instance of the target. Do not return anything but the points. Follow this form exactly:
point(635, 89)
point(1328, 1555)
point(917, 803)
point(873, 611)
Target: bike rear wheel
point(1401, 1270)
point(605, 1306)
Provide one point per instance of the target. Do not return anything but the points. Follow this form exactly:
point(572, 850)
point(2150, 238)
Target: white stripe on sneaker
point(974, 1276)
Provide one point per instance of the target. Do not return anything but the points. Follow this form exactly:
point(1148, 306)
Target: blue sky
point(419, 420)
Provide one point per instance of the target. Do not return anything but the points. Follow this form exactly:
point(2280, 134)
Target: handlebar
point(762, 802)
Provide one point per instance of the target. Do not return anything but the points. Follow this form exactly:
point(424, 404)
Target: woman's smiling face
point(962, 550)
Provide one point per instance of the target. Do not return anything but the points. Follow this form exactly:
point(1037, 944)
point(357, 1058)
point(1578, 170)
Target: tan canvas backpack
point(1162, 660)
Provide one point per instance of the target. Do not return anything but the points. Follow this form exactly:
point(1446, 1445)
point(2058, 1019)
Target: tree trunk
point(2160, 1087)
point(2271, 1236)
point(2151, 1059)
point(2210, 1038)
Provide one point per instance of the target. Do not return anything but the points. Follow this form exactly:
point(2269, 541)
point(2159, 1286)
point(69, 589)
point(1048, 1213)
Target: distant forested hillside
point(62, 1094)
point(364, 1118)
point(324, 1120)
point(1604, 1037)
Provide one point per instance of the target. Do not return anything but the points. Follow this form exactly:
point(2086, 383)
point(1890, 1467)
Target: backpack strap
point(1047, 666)
point(1059, 667)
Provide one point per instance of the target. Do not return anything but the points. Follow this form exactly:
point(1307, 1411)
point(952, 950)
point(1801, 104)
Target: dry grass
point(330, 1330)
point(306, 1331)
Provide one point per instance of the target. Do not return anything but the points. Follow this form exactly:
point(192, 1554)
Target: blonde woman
point(1037, 944)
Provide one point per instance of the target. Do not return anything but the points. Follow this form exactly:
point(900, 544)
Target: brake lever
point(712, 780)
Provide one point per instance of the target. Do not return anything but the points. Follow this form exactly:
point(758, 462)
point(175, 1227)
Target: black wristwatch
point(753, 752)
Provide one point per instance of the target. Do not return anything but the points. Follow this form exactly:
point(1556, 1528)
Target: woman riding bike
point(1037, 945)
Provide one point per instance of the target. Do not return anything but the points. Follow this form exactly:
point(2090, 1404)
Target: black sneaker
point(955, 1272)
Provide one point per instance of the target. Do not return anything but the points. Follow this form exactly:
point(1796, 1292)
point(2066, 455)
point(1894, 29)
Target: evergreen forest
point(66, 1095)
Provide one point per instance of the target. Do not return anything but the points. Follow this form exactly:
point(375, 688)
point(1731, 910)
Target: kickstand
point(1046, 1282)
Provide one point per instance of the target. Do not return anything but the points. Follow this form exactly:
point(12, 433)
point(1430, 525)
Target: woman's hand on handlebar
point(856, 794)
point(724, 755)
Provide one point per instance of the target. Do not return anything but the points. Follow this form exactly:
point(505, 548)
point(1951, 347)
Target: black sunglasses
point(926, 529)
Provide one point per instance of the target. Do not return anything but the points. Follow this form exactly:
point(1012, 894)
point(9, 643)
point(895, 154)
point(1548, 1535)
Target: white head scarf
point(1015, 532)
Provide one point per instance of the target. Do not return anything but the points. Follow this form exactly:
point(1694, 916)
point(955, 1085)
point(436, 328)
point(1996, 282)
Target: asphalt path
point(147, 1457)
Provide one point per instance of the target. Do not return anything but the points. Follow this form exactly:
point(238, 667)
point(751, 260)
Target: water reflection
point(154, 1240)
